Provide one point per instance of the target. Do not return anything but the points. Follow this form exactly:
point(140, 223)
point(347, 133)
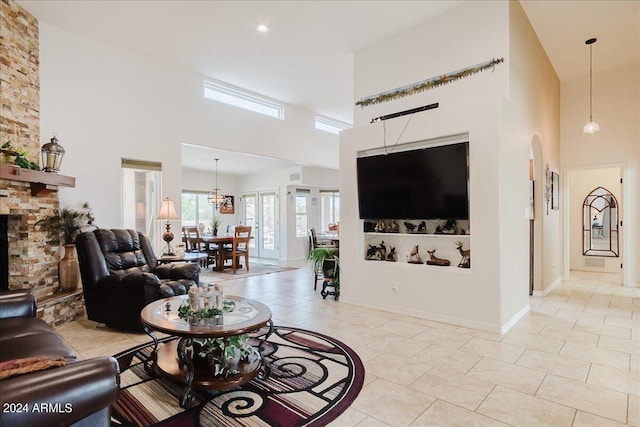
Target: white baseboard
point(515, 319)
point(466, 323)
point(551, 287)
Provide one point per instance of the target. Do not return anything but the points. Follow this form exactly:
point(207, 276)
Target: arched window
point(600, 224)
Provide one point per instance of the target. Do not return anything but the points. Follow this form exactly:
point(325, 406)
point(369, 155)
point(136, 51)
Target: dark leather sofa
point(79, 393)
point(121, 274)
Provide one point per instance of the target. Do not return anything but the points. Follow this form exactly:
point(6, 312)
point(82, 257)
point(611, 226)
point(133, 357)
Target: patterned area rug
point(255, 269)
point(314, 378)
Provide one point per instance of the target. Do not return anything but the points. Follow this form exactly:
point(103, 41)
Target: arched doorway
point(598, 188)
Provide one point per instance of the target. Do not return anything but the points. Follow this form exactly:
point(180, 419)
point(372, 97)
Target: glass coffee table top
point(246, 315)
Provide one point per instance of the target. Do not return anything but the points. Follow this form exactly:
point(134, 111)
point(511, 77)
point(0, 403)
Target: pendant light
point(591, 126)
point(216, 198)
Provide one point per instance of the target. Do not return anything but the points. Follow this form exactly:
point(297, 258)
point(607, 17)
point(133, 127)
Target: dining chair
point(314, 243)
point(319, 243)
point(185, 239)
point(190, 237)
point(239, 248)
point(194, 243)
point(213, 251)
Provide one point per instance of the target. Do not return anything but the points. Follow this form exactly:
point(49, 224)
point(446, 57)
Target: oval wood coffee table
point(175, 359)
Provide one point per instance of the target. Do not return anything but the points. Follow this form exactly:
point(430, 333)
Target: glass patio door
point(261, 212)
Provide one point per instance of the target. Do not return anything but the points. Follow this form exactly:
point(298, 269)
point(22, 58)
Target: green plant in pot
point(327, 260)
point(225, 353)
point(215, 224)
point(63, 227)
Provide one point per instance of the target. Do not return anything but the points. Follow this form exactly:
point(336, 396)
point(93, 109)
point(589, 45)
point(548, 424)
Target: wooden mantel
point(42, 183)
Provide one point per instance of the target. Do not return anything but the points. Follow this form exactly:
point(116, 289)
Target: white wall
point(106, 103)
point(502, 111)
point(616, 108)
point(581, 183)
point(531, 113)
point(459, 38)
point(468, 297)
point(320, 177)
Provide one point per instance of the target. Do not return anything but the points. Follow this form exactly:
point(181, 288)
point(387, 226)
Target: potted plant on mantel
point(327, 260)
point(64, 227)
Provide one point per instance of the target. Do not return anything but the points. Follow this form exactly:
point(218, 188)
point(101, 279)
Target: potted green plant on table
point(215, 224)
point(63, 227)
point(327, 260)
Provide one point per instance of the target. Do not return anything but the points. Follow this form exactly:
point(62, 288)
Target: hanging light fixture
point(591, 126)
point(216, 198)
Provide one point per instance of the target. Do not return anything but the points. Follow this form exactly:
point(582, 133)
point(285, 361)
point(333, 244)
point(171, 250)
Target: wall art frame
point(555, 191)
point(228, 206)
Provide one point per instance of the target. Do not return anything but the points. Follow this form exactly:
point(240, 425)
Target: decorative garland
point(427, 84)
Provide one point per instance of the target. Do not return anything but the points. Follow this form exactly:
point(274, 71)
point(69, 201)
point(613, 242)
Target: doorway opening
point(535, 213)
point(594, 221)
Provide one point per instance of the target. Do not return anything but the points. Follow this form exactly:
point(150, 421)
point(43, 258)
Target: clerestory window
point(232, 95)
point(330, 125)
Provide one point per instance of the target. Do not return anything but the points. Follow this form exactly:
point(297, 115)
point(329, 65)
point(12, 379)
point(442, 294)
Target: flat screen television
point(427, 183)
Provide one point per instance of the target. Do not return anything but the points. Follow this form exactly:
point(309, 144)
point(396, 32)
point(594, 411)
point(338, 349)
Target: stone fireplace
point(31, 261)
point(27, 259)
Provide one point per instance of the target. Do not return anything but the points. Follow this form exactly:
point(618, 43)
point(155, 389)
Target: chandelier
point(216, 198)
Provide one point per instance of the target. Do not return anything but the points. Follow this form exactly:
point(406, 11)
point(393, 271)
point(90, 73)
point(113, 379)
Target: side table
point(198, 257)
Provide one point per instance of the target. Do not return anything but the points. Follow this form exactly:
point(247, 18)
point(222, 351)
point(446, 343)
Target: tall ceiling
point(305, 58)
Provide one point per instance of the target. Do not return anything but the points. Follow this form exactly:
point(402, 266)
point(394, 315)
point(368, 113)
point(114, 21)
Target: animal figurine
point(391, 256)
point(371, 252)
point(465, 262)
point(410, 227)
point(380, 227)
point(414, 256)
point(434, 260)
point(377, 253)
point(393, 227)
point(449, 227)
point(382, 250)
point(422, 227)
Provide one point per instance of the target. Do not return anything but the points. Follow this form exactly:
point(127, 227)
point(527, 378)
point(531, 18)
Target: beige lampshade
point(167, 210)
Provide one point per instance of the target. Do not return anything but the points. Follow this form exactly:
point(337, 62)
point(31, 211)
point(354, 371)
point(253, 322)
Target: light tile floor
point(573, 361)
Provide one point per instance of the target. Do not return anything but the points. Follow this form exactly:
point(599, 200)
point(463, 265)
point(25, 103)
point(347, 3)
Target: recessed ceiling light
point(262, 28)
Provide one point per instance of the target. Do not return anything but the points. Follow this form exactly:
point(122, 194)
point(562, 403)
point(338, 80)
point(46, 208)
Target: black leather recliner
point(120, 275)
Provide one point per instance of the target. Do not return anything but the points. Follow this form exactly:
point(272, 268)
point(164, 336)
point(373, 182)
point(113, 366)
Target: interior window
point(301, 214)
point(329, 209)
point(196, 209)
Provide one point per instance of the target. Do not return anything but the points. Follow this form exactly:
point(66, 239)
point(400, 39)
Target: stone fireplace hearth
point(29, 260)
point(32, 262)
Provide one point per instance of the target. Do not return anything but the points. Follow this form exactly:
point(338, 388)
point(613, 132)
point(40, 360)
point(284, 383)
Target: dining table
point(210, 242)
point(334, 238)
